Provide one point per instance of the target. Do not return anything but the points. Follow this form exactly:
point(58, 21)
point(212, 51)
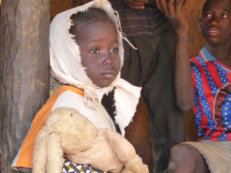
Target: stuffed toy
point(67, 133)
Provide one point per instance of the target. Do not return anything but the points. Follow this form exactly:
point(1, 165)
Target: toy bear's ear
point(39, 155)
point(54, 153)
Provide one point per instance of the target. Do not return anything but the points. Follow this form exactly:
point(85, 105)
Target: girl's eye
point(115, 50)
point(94, 50)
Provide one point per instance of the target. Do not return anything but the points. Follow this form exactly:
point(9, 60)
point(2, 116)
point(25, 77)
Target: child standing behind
point(211, 81)
point(86, 55)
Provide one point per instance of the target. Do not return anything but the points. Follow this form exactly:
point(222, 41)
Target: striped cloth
point(212, 97)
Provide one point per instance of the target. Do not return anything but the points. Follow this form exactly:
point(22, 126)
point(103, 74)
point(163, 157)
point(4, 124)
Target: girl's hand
point(136, 4)
point(173, 10)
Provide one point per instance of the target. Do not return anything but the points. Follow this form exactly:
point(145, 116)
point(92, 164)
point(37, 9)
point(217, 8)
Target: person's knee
point(182, 150)
point(182, 155)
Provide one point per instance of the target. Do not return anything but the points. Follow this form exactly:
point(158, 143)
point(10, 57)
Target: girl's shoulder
point(65, 88)
point(65, 96)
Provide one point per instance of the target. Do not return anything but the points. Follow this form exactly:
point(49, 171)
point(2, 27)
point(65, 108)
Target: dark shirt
point(148, 21)
point(108, 102)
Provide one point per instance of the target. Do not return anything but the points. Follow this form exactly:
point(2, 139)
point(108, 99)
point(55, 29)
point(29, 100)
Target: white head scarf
point(65, 62)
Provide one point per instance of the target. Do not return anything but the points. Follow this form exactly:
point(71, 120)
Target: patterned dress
point(70, 167)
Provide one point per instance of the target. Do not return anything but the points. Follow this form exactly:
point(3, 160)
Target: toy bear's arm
point(121, 146)
point(54, 154)
point(39, 155)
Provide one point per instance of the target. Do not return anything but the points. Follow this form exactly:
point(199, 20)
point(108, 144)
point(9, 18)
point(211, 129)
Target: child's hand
point(136, 4)
point(173, 10)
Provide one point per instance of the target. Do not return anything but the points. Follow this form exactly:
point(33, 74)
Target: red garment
point(212, 97)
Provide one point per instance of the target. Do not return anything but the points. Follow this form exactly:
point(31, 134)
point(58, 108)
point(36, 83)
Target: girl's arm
point(183, 77)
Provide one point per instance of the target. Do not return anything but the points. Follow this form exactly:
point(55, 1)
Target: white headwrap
point(65, 62)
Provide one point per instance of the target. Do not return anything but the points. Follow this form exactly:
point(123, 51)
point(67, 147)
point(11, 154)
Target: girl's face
point(98, 43)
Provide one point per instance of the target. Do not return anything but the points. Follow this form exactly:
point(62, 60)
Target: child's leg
point(185, 158)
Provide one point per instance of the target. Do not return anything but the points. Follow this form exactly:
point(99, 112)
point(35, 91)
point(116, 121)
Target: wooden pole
point(24, 70)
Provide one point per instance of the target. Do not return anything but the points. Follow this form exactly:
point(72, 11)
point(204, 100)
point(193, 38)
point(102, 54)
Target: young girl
point(86, 55)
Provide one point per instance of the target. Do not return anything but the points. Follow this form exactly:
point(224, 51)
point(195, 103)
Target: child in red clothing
point(207, 85)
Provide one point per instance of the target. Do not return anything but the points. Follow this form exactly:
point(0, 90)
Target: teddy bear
point(69, 134)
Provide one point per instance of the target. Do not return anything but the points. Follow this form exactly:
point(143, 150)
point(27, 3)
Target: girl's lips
point(109, 74)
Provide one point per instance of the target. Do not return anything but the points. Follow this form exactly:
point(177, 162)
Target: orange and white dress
point(65, 96)
point(80, 93)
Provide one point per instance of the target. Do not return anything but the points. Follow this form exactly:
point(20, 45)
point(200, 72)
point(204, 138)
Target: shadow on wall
point(193, 13)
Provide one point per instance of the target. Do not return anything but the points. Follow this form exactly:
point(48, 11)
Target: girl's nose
point(107, 58)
